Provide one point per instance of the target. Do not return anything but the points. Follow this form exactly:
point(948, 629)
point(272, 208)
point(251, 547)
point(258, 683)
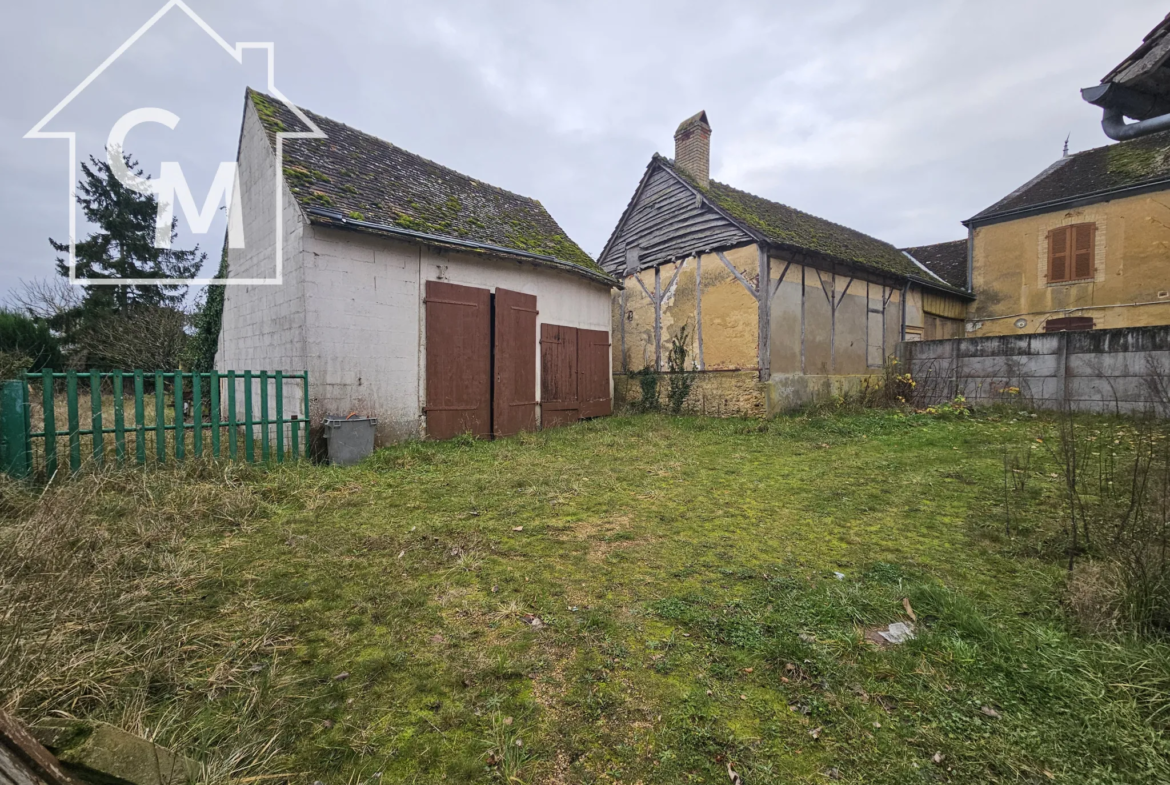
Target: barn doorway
point(481, 356)
point(574, 374)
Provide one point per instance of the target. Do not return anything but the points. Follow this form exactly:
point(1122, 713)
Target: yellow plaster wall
point(1132, 266)
point(729, 312)
point(731, 320)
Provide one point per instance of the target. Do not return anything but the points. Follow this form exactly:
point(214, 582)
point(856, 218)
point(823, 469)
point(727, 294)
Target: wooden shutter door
point(1082, 250)
point(593, 385)
point(1058, 255)
point(514, 399)
point(458, 363)
point(558, 375)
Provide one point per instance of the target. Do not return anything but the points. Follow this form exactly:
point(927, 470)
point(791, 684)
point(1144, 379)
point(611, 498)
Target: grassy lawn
point(628, 600)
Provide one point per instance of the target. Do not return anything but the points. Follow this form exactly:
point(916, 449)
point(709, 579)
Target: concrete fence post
point(1062, 367)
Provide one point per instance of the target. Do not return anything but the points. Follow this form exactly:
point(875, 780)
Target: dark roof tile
point(783, 225)
point(1099, 171)
point(946, 260)
point(368, 179)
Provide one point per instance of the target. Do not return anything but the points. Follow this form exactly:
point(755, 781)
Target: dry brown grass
point(1095, 595)
point(95, 576)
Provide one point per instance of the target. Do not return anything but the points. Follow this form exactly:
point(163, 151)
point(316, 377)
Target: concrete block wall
point(263, 328)
point(1125, 370)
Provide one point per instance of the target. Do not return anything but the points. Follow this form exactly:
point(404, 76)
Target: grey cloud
point(899, 119)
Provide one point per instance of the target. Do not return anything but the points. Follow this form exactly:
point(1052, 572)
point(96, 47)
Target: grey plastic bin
point(350, 439)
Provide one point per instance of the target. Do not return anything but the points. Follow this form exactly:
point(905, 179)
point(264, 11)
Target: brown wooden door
point(558, 375)
point(593, 385)
point(514, 397)
point(459, 356)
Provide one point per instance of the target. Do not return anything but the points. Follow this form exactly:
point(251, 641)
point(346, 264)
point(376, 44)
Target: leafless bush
point(50, 299)
point(148, 337)
point(1116, 489)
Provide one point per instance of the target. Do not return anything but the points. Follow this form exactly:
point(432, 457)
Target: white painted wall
point(366, 324)
point(263, 325)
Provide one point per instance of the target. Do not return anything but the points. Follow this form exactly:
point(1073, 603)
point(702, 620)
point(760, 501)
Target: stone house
point(693, 252)
point(1086, 243)
point(411, 293)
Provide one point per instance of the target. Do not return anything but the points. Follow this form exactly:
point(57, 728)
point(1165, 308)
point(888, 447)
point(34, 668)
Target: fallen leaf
point(327, 724)
point(789, 667)
point(735, 778)
point(815, 732)
point(341, 676)
point(748, 670)
point(833, 773)
point(401, 554)
point(437, 638)
point(1049, 774)
point(938, 758)
point(743, 697)
point(507, 720)
point(990, 712)
point(517, 528)
point(909, 611)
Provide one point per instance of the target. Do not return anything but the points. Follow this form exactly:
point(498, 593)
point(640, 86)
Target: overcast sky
point(896, 118)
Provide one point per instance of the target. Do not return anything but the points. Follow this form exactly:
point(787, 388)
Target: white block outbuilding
point(411, 293)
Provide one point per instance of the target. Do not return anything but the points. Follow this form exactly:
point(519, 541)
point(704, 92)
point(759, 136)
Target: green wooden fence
point(215, 412)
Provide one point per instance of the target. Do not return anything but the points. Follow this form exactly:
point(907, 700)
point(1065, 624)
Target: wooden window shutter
point(1082, 250)
point(1058, 255)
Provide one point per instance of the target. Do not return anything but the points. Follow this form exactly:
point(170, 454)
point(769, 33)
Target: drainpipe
point(1114, 125)
point(1119, 102)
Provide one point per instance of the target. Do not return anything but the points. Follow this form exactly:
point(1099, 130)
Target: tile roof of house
point(364, 178)
point(946, 260)
point(1102, 171)
point(786, 226)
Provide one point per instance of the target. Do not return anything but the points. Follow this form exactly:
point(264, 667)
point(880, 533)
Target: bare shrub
point(1116, 489)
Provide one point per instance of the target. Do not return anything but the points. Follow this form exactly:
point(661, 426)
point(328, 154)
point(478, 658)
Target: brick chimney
point(692, 148)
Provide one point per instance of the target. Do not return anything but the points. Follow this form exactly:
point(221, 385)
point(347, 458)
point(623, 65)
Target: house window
point(1072, 253)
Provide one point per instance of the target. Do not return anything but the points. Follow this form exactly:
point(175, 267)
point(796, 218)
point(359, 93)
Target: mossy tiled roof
point(1102, 170)
point(784, 225)
point(946, 260)
point(366, 178)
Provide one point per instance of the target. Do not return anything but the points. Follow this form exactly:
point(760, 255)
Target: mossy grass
point(634, 599)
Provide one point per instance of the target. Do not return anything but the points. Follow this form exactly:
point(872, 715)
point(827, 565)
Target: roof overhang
point(1094, 197)
point(336, 220)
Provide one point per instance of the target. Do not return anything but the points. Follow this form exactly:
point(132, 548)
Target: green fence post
point(95, 402)
point(264, 416)
point(197, 413)
point(279, 417)
point(180, 419)
point(140, 417)
point(48, 400)
point(232, 430)
point(74, 422)
point(214, 385)
point(14, 433)
point(249, 437)
point(160, 418)
point(306, 397)
point(119, 420)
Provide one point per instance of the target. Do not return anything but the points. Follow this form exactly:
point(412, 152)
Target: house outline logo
point(237, 54)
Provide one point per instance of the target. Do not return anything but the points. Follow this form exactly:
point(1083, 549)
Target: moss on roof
point(1102, 170)
point(355, 173)
point(785, 225)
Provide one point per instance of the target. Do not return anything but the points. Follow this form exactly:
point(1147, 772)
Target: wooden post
point(702, 366)
point(658, 319)
point(764, 310)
